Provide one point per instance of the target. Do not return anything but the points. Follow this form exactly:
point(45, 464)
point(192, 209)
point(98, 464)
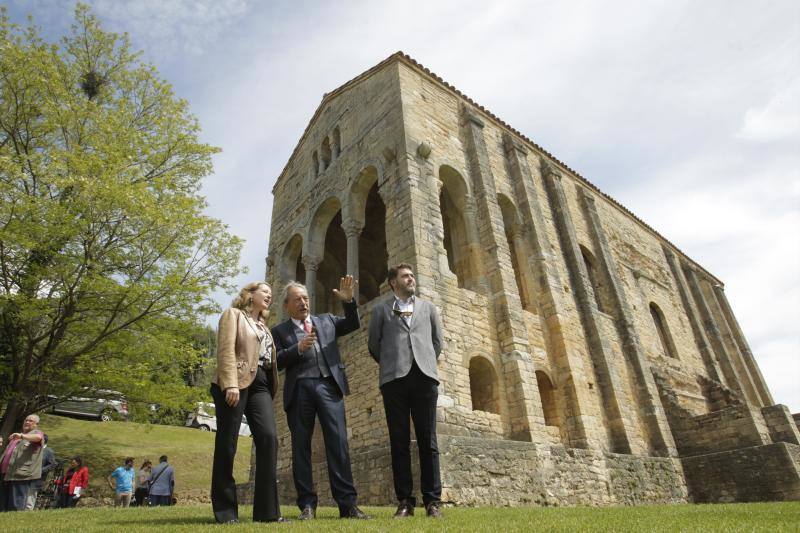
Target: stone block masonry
point(587, 360)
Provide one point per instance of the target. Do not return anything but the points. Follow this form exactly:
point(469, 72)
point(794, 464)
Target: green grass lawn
point(104, 445)
point(772, 517)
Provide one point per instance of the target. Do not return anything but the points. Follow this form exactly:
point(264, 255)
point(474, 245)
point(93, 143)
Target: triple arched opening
point(363, 214)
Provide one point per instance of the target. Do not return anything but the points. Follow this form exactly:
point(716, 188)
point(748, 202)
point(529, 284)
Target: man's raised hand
point(347, 286)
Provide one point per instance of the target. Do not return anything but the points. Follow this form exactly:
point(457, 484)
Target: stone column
point(728, 370)
point(527, 416)
point(516, 233)
point(478, 282)
point(352, 231)
point(700, 338)
point(311, 264)
point(618, 416)
point(744, 347)
point(567, 366)
point(649, 402)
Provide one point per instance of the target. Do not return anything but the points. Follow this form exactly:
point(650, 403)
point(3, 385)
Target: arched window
point(315, 162)
point(518, 252)
point(547, 393)
point(483, 386)
point(372, 254)
point(325, 153)
point(452, 200)
point(291, 266)
point(663, 332)
point(589, 261)
point(337, 142)
point(332, 267)
point(369, 212)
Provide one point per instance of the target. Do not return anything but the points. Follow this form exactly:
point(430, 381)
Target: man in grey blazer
point(405, 338)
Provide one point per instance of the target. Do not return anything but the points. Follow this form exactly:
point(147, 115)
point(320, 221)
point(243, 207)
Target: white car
point(204, 418)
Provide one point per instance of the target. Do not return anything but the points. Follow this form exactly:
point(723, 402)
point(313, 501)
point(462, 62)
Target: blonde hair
point(244, 300)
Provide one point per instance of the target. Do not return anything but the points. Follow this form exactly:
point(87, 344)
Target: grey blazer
point(394, 345)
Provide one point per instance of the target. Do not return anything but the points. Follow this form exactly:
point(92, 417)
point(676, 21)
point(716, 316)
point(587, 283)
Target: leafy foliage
point(106, 256)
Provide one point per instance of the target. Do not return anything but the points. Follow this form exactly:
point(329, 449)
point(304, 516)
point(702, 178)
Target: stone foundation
point(760, 473)
point(477, 472)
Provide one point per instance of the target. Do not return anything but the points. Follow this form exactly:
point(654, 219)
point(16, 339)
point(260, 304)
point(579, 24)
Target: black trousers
point(256, 402)
point(66, 501)
point(320, 397)
point(413, 397)
point(139, 495)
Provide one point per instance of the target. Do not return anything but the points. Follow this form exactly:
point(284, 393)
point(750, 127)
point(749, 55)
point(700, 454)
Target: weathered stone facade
point(587, 359)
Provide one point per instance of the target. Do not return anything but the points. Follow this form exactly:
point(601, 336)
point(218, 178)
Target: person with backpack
point(162, 483)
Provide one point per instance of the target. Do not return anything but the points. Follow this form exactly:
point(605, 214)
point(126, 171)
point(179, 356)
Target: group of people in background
point(148, 486)
point(27, 460)
point(405, 339)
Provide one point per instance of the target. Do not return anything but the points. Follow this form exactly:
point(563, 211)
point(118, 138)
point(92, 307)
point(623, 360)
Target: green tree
point(106, 257)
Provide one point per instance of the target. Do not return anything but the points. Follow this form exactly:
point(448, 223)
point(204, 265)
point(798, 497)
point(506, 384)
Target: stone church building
point(587, 360)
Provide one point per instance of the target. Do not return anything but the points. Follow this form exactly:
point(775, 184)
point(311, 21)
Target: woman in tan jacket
point(245, 383)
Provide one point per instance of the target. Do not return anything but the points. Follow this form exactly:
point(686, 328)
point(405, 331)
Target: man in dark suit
point(405, 338)
point(315, 386)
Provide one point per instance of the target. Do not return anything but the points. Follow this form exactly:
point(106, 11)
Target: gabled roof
point(407, 60)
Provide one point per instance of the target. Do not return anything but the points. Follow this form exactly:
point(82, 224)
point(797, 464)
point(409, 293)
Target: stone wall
point(477, 472)
point(782, 427)
point(761, 473)
point(727, 429)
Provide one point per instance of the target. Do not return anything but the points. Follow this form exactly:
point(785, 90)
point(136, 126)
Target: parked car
point(204, 418)
point(102, 405)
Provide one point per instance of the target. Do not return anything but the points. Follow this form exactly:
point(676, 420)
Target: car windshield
point(207, 409)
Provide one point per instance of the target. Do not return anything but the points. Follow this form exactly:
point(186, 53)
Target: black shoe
point(433, 510)
point(309, 513)
point(353, 512)
point(404, 509)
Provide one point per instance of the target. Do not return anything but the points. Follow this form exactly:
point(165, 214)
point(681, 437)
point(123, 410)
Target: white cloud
point(778, 119)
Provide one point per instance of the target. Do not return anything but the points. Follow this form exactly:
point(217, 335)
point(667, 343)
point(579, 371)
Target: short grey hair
point(34, 416)
point(289, 286)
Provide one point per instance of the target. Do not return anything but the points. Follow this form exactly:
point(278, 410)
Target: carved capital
point(469, 207)
point(352, 228)
point(310, 263)
point(517, 231)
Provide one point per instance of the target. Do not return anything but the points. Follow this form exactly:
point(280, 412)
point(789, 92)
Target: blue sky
point(688, 113)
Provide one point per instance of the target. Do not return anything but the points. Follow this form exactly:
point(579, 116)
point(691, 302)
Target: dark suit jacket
point(329, 328)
